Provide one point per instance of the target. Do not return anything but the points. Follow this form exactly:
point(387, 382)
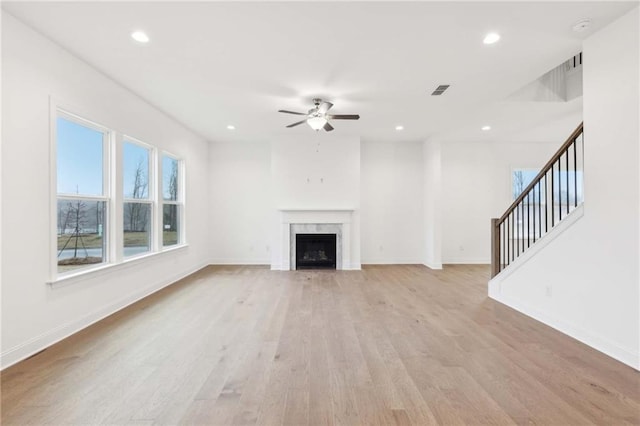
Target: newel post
point(495, 247)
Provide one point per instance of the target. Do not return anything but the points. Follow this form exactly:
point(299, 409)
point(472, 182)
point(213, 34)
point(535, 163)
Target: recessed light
point(485, 128)
point(231, 127)
point(398, 128)
point(140, 37)
point(491, 38)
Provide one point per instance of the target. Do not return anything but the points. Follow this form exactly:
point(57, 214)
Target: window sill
point(98, 271)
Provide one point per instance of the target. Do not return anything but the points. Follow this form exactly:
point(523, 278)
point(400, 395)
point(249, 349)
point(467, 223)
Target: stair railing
point(552, 195)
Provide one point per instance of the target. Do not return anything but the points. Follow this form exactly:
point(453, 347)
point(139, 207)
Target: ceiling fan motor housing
point(318, 118)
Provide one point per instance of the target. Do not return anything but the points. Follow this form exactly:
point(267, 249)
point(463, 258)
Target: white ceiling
point(219, 63)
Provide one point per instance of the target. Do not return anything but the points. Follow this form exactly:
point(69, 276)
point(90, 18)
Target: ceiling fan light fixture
point(491, 38)
point(140, 37)
point(317, 122)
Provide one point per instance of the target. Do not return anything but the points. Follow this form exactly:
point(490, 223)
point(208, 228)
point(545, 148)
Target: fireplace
point(313, 221)
point(315, 251)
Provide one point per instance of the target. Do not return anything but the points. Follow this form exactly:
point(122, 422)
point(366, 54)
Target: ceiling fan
point(317, 117)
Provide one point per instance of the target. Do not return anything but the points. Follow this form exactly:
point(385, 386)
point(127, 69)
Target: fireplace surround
point(314, 221)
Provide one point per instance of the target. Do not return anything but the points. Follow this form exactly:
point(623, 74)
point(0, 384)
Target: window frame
point(59, 111)
point(179, 202)
point(151, 199)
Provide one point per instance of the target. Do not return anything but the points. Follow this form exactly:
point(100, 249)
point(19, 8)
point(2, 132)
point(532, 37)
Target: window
point(82, 193)
point(172, 201)
point(98, 222)
point(137, 201)
point(520, 179)
point(532, 208)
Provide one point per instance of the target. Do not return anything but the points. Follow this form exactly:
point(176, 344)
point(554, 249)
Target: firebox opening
point(315, 251)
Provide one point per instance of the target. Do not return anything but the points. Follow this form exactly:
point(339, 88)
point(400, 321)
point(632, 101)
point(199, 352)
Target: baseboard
point(596, 341)
point(228, 261)
point(354, 267)
point(466, 262)
point(432, 265)
point(393, 262)
point(43, 341)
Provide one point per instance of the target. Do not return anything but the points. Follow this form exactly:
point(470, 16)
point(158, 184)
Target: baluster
point(528, 217)
point(533, 195)
point(559, 189)
point(502, 246)
point(539, 211)
point(517, 229)
point(553, 213)
point(522, 212)
point(546, 203)
point(566, 154)
point(575, 174)
point(509, 232)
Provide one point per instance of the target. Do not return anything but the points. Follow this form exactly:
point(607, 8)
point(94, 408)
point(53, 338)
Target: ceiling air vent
point(440, 90)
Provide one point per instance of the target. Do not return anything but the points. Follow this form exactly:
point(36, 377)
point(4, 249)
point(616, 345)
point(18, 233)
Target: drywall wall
point(476, 186)
point(35, 314)
point(241, 208)
point(585, 282)
point(432, 201)
point(391, 214)
point(315, 171)
point(249, 181)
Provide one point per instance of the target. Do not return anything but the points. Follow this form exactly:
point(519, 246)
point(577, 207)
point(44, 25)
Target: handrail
point(544, 170)
point(526, 220)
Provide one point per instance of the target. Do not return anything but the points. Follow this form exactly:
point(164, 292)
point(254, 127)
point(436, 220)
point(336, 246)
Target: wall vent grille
point(440, 90)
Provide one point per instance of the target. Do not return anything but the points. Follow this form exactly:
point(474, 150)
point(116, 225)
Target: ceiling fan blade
point(292, 112)
point(328, 127)
point(343, 117)
point(324, 107)
point(296, 124)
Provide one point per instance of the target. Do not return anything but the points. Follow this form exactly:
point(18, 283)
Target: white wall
point(316, 171)
point(432, 201)
point(319, 170)
point(241, 207)
point(34, 314)
point(585, 282)
point(392, 217)
point(476, 186)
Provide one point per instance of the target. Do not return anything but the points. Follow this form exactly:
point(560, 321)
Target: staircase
point(551, 196)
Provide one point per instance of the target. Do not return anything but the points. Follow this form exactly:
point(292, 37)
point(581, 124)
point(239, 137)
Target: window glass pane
point(170, 224)
point(135, 171)
point(81, 234)
point(560, 194)
point(169, 178)
point(137, 225)
point(521, 179)
point(80, 156)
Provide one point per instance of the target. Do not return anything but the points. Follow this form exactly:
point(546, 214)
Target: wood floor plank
point(388, 345)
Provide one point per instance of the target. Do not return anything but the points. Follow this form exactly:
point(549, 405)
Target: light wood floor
point(388, 345)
